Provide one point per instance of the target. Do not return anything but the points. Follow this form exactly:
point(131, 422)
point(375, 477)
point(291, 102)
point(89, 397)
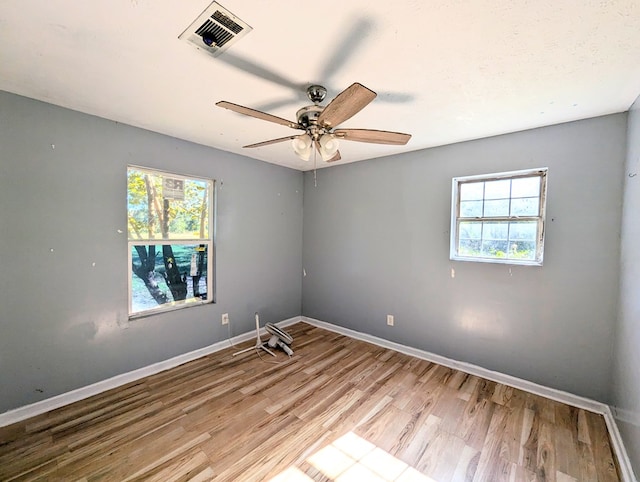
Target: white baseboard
point(552, 393)
point(43, 406)
point(618, 445)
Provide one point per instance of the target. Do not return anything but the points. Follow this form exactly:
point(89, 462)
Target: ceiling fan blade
point(272, 141)
point(373, 136)
point(345, 105)
point(258, 114)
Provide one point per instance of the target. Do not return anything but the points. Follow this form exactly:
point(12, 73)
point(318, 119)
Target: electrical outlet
point(390, 320)
point(225, 318)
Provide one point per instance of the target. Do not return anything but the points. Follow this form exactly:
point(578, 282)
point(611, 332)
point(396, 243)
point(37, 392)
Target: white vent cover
point(217, 23)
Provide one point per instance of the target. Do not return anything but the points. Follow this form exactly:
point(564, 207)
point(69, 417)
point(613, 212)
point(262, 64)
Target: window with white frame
point(499, 218)
point(170, 232)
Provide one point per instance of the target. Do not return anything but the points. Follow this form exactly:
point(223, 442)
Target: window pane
point(495, 249)
point(523, 231)
point(470, 230)
point(497, 189)
point(470, 247)
point(522, 250)
point(470, 209)
point(190, 217)
point(163, 207)
point(471, 191)
point(495, 231)
point(525, 206)
point(167, 275)
point(526, 187)
point(141, 220)
point(496, 208)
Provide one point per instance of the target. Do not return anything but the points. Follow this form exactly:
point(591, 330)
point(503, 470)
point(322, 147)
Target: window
point(499, 218)
point(170, 224)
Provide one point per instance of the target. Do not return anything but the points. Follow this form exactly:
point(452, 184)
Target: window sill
point(513, 262)
point(174, 306)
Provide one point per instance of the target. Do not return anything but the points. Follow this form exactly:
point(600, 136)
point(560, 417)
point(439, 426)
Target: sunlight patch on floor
point(353, 459)
point(292, 474)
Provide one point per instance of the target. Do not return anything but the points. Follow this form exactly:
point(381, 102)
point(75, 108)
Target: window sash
point(172, 305)
point(537, 240)
point(164, 175)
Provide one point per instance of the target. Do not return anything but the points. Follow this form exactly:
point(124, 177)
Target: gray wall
point(376, 242)
point(63, 321)
point(626, 378)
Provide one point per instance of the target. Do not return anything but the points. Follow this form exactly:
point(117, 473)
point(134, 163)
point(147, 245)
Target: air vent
point(215, 30)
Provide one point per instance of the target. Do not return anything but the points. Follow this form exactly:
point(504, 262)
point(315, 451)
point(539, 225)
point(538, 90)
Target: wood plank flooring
point(339, 409)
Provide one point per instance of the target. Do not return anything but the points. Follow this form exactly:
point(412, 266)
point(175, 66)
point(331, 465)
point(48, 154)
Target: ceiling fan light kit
point(319, 123)
point(328, 146)
point(302, 146)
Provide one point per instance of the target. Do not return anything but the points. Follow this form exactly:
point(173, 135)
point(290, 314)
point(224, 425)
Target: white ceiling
point(444, 70)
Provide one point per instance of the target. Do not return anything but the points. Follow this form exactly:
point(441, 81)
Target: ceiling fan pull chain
point(315, 178)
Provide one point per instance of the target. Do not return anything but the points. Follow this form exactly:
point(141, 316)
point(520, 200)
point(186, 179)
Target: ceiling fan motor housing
point(308, 116)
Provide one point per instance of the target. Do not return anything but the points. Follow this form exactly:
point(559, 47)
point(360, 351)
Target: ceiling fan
point(320, 123)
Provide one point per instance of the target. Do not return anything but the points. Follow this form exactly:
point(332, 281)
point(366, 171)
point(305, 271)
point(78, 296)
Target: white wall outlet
point(225, 318)
point(390, 320)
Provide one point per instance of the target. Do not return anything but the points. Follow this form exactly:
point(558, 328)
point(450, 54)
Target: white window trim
point(210, 242)
point(455, 220)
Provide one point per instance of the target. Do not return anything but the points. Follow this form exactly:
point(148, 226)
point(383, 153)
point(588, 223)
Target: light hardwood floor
point(340, 409)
